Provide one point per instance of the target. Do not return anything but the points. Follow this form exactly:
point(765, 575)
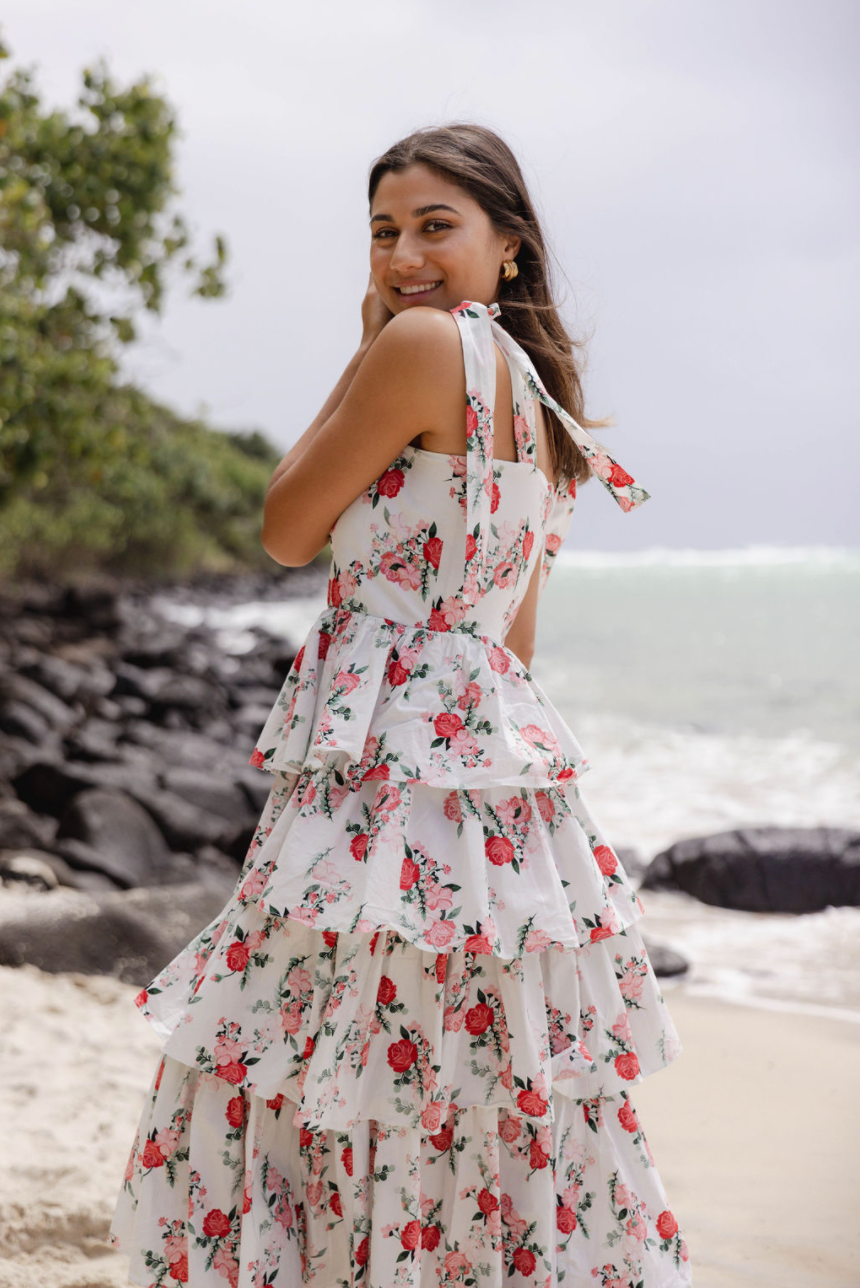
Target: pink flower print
point(395, 570)
point(552, 542)
point(537, 941)
point(471, 421)
point(387, 798)
point(451, 808)
point(347, 680)
point(635, 1227)
point(253, 885)
point(453, 1021)
point(291, 1017)
point(469, 695)
point(504, 575)
point(440, 933)
point(438, 896)
point(227, 1266)
point(306, 916)
point(167, 1140)
point(431, 1119)
point(495, 497)
point(623, 1197)
point(227, 1050)
point(453, 610)
point(546, 809)
point(630, 984)
point(299, 980)
point(514, 812)
point(540, 738)
point(457, 1264)
point(464, 743)
point(499, 660)
point(510, 1128)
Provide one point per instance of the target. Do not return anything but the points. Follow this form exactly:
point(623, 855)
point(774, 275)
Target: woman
point(402, 1054)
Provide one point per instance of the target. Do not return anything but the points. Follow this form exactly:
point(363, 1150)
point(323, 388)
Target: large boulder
point(764, 869)
point(130, 934)
point(121, 838)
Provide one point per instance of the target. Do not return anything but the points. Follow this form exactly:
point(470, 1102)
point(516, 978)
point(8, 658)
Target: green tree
point(88, 237)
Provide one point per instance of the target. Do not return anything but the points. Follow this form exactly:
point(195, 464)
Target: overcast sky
point(696, 166)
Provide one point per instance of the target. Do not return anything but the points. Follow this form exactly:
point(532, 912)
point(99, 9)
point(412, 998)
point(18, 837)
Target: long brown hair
point(479, 161)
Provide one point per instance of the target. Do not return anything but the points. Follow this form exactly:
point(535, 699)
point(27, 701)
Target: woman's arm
point(401, 387)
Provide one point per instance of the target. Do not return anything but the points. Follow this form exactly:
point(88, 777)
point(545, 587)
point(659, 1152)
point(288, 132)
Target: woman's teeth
point(416, 290)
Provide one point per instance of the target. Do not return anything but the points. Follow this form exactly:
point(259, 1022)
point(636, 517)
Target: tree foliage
point(89, 236)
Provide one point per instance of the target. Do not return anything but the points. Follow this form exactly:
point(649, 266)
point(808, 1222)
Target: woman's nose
point(406, 254)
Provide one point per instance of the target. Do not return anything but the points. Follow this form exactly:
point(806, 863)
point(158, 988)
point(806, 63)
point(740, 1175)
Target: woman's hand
point(375, 314)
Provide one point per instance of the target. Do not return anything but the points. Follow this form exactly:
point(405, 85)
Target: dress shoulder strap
point(478, 330)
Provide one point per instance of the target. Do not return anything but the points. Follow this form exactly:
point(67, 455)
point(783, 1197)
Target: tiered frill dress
point(402, 1054)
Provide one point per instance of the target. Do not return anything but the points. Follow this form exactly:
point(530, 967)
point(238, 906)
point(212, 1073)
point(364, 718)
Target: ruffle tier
point(221, 1186)
point(377, 699)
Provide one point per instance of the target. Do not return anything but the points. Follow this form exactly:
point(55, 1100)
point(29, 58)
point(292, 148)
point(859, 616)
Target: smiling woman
point(403, 1051)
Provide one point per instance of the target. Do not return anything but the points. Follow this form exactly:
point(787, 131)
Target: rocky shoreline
point(127, 803)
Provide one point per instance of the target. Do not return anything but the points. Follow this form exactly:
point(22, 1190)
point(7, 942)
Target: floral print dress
point(402, 1054)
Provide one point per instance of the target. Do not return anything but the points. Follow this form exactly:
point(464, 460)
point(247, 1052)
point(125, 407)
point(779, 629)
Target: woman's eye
point(432, 226)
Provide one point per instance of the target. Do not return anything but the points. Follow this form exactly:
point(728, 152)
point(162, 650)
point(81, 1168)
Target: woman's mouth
point(417, 290)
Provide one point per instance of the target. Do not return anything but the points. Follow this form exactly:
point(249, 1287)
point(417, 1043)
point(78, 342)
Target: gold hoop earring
point(509, 269)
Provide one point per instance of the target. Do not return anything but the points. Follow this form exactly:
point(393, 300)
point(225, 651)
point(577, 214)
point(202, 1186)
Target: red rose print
point(666, 1225)
point(499, 850)
point(358, 846)
point(386, 992)
point(441, 967)
point(619, 477)
point(390, 483)
point(276, 1101)
point(373, 943)
point(537, 1157)
point(409, 873)
point(531, 1103)
point(606, 860)
point(362, 1252)
point(238, 956)
point(433, 551)
point(565, 1219)
point(451, 808)
point(397, 673)
point(329, 938)
point(378, 771)
point(258, 760)
point(487, 1202)
point(626, 1065)
point(438, 621)
point(471, 547)
point(471, 421)
point(235, 1113)
point(216, 1224)
point(528, 542)
point(402, 1055)
point(447, 724)
point(499, 661)
point(324, 641)
point(410, 1235)
point(346, 1159)
point(234, 1073)
point(443, 1139)
point(310, 1043)
point(305, 1138)
point(600, 932)
point(334, 1203)
point(524, 1261)
point(160, 1074)
point(297, 660)
point(334, 596)
point(495, 498)
point(430, 1236)
point(152, 1155)
point(627, 1117)
point(179, 1269)
point(479, 1018)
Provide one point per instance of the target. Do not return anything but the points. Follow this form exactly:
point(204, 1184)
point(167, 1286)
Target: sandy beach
point(753, 1129)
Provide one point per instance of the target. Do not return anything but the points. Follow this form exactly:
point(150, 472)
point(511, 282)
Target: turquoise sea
point(710, 690)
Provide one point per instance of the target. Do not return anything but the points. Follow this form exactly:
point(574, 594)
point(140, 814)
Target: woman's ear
point(511, 246)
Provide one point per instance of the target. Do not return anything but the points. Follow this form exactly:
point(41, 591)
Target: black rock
point(184, 826)
point(129, 934)
point(48, 786)
point(17, 689)
point(665, 960)
point(212, 793)
point(120, 837)
point(764, 869)
point(21, 721)
point(21, 828)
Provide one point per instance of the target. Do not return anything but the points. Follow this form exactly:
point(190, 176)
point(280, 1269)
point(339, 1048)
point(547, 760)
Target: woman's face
point(428, 233)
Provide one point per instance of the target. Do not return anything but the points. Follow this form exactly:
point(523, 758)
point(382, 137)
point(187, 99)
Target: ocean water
point(709, 690)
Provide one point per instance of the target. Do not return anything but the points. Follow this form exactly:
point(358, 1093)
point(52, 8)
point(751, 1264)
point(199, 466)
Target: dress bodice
point(405, 676)
point(451, 541)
